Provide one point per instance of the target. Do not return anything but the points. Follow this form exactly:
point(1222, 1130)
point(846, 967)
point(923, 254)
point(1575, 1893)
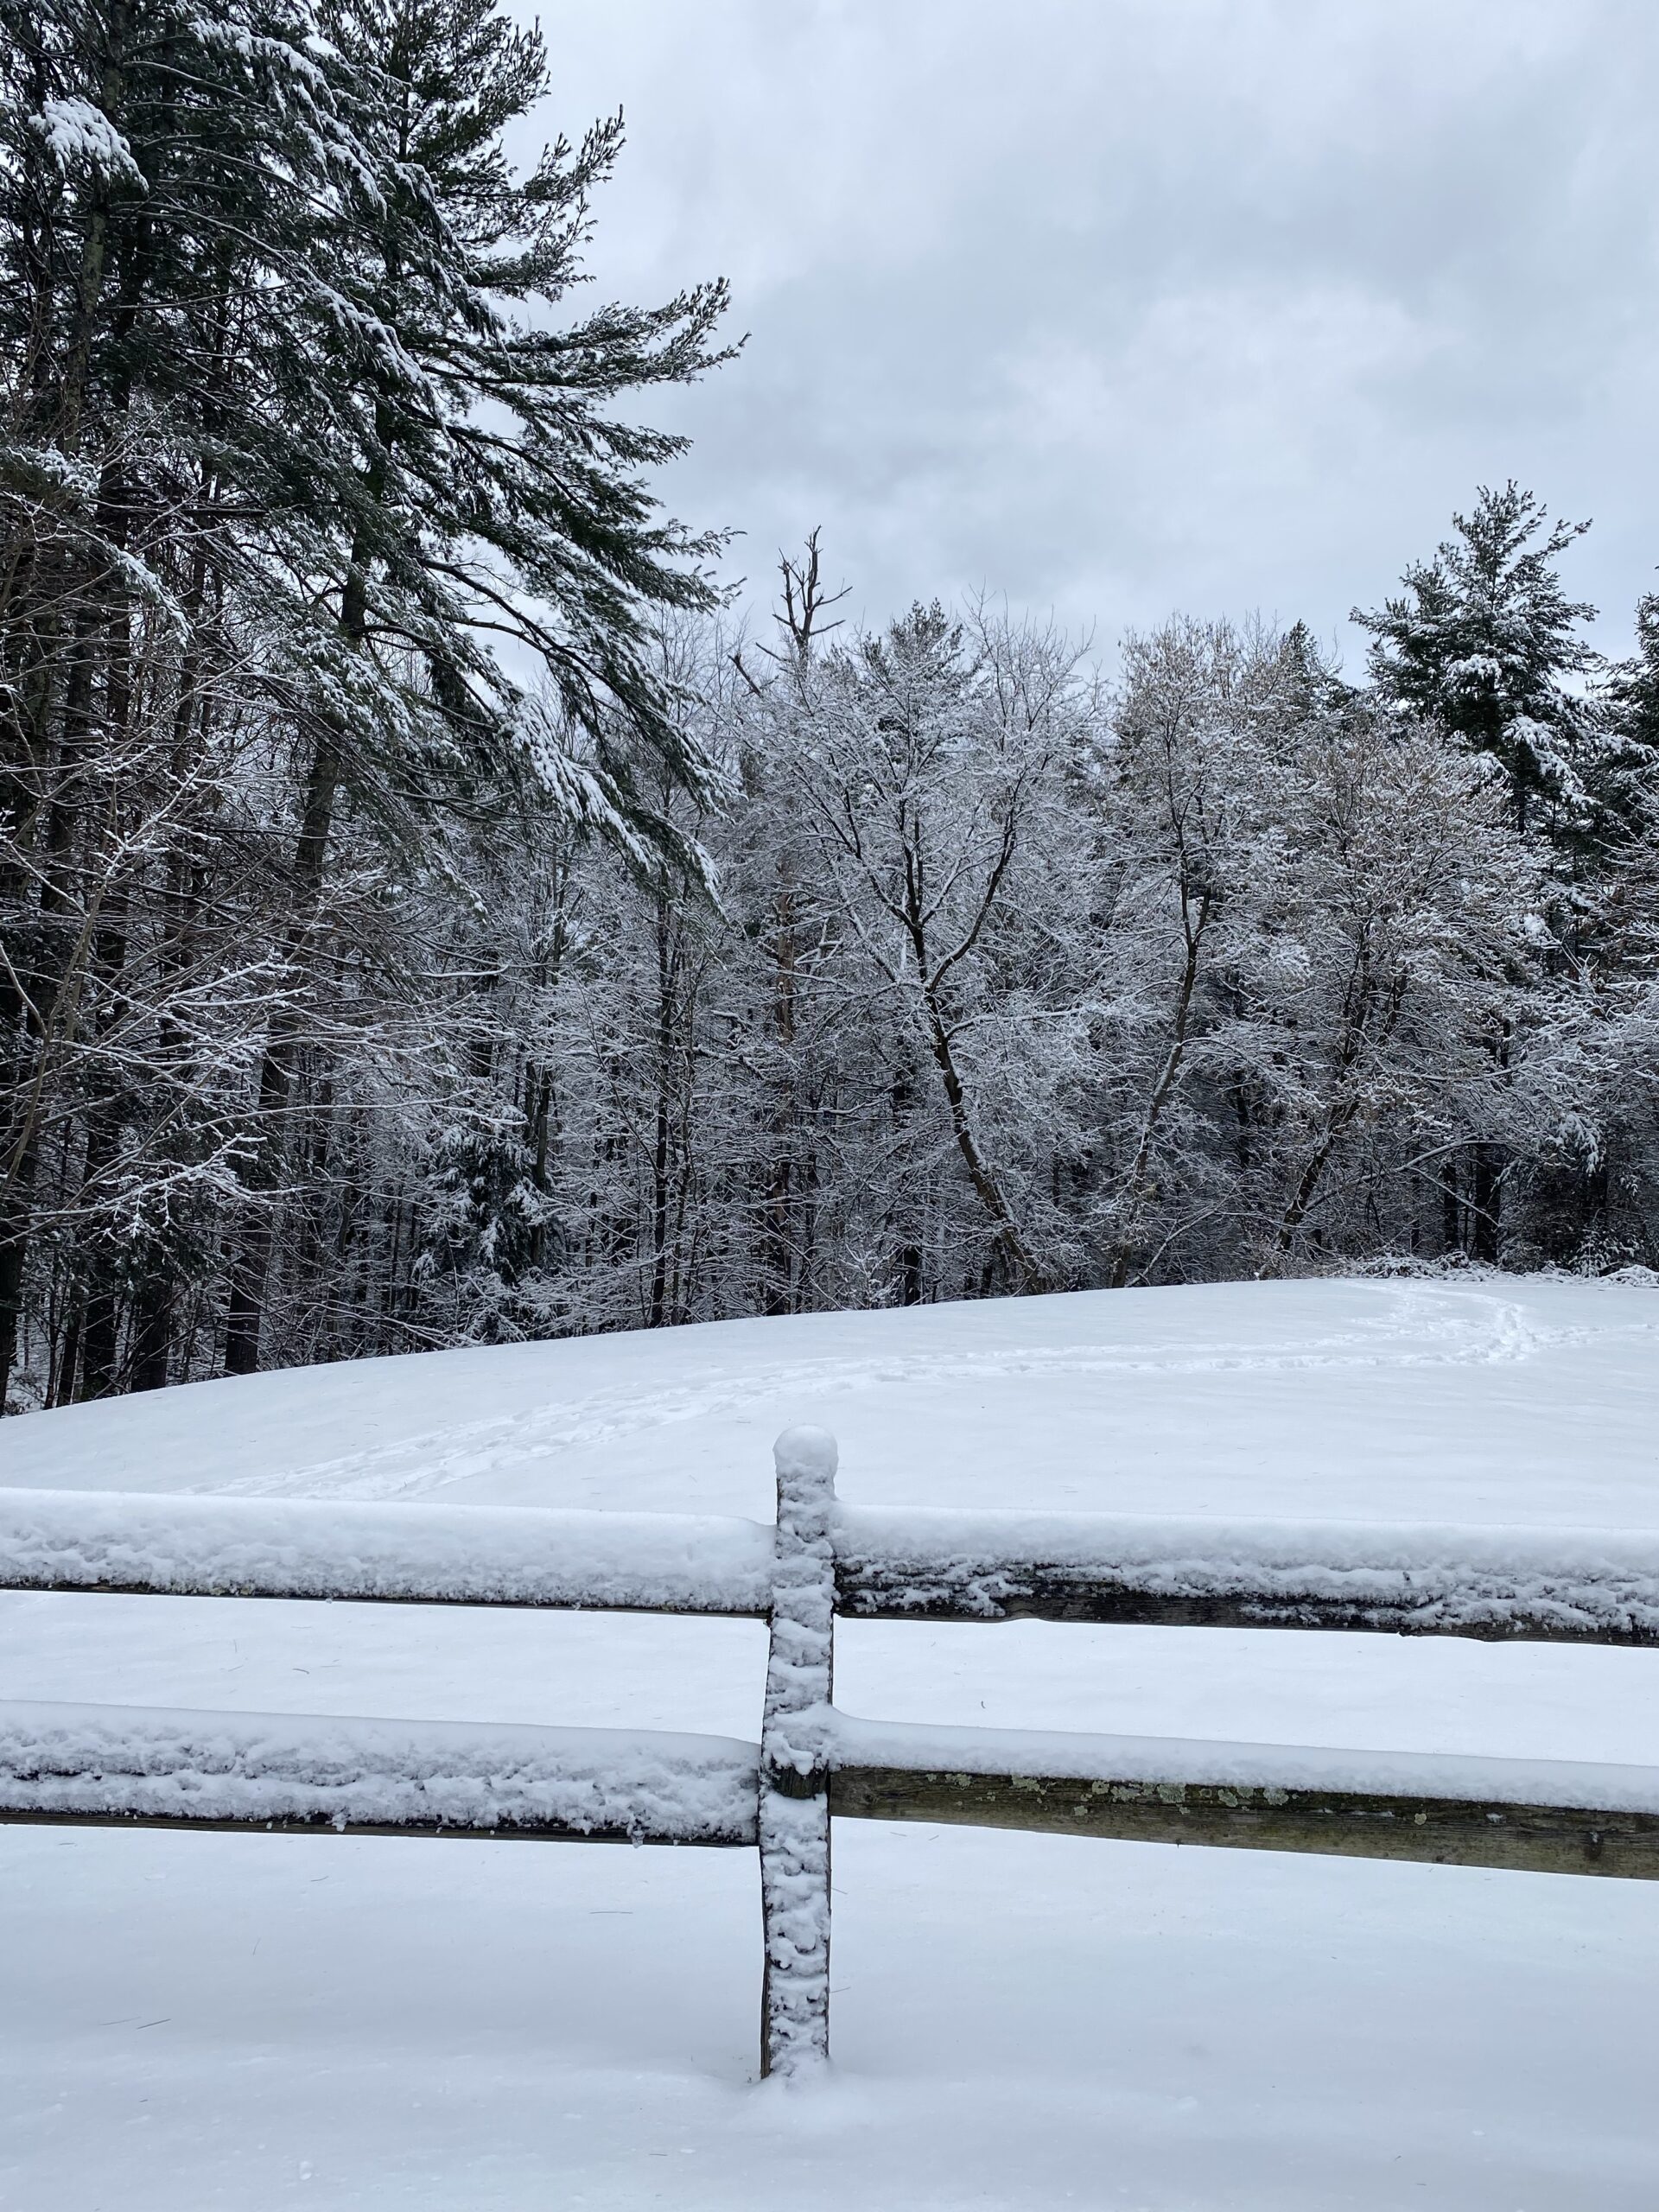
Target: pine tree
point(1632, 775)
point(477, 498)
point(305, 451)
point(1480, 641)
point(154, 163)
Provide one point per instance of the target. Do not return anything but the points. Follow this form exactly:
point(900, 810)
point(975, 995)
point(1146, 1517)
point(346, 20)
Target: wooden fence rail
point(116, 1765)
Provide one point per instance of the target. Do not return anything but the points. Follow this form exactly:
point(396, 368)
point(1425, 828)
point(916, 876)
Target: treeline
point(427, 919)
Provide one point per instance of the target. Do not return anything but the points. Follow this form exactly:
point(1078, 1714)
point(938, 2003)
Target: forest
point(433, 912)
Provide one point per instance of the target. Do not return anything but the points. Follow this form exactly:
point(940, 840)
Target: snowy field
point(241, 2021)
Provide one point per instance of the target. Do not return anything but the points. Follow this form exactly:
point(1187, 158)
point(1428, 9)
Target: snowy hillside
point(246, 2022)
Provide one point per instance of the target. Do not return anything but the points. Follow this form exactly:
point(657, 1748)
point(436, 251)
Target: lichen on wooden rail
point(1064, 1594)
point(503, 1831)
point(1534, 1839)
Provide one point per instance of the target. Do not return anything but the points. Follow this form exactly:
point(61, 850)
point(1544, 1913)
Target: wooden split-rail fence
point(128, 1766)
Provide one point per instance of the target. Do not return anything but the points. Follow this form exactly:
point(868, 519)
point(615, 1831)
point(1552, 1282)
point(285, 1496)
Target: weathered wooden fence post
point(795, 1751)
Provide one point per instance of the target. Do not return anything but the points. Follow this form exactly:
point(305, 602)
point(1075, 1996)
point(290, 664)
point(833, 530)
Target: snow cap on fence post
point(794, 1801)
point(805, 1459)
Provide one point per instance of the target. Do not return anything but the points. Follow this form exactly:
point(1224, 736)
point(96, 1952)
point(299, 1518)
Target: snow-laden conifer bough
point(153, 1768)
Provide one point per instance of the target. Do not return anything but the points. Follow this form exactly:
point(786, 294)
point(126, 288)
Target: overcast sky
point(1119, 307)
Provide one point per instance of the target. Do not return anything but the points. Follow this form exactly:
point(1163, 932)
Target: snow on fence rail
point(135, 1766)
point(1567, 1585)
point(151, 1768)
point(1556, 1586)
point(390, 1555)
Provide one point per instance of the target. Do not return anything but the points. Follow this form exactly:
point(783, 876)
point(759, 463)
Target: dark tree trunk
point(63, 1384)
point(253, 1269)
point(100, 1344)
point(152, 1331)
point(1485, 1198)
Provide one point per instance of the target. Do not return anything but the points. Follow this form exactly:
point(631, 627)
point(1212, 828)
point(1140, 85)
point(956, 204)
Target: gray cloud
point(1123, 307)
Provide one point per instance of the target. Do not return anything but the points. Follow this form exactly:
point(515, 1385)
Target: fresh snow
point(231, 1766)
point(479, 1555)
point(1589, 1581)
point(1575, 1580)
point(793, 1824)
point(250, 2021)
point(75, 130)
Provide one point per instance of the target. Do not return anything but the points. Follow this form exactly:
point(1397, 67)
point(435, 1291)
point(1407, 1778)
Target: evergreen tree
point(477, 498)
point(159, 168)
point(301, 438)
point(1632, 770)
point(1480, 641)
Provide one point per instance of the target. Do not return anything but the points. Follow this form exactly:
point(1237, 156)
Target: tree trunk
point(659, 1151)
point(778, 1258)
point(1024, 1272)
point(1485, 1198)
point(1134, 1183)
point(1450, 1212)
point(152, 1331)
point(100, 1344)
point(13, 1256)
point(250, 1277)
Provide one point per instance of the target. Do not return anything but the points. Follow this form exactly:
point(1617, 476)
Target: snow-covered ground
point(242, 2021)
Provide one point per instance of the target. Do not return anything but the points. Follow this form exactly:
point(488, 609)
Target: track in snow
point(1427, 1326)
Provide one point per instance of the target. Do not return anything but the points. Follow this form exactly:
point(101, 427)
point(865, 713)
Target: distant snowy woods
point(426, 917)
